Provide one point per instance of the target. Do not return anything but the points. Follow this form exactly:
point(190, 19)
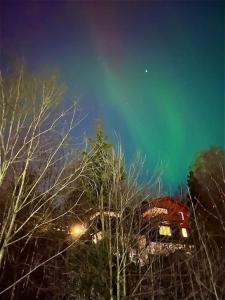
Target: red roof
point(170, 210)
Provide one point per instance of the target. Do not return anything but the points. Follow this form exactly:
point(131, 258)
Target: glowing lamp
point(77, 230)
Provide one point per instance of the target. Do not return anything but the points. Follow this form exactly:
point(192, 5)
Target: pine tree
point(101, 158)
point(99, 154)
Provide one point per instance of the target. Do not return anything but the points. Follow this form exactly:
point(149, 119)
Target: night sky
point(152, 71)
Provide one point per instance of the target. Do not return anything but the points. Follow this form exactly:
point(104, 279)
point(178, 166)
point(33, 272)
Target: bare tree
point(35, 157)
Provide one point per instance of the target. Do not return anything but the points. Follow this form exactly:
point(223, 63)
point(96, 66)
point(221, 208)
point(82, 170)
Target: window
point(182, 215)
point(165, 230)
point(184, 232)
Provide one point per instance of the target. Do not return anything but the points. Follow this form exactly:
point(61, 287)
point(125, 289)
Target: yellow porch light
point(165, 230)
point(77, 230)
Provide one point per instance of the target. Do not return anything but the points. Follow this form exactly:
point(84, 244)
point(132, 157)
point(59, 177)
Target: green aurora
point(169, 113)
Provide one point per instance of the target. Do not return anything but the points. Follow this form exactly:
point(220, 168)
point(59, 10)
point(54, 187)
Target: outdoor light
point(77, 230)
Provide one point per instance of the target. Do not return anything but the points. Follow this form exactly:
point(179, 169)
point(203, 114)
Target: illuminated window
point(184, 232)
point(165, 230)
